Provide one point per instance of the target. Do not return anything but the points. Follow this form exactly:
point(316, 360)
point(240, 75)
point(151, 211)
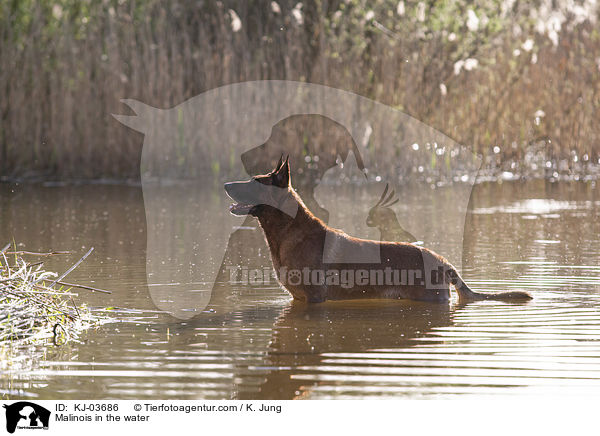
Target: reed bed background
point(517, 81)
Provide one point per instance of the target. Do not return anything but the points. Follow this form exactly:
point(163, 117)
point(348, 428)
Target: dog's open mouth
point(235, 191)
point(240, 209)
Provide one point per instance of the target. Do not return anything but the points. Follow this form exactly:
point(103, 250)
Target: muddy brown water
point(255, 343)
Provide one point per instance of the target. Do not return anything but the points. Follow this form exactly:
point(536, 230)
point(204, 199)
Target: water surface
point(253, 342)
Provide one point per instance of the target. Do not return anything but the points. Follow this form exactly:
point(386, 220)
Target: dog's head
point(254, 196)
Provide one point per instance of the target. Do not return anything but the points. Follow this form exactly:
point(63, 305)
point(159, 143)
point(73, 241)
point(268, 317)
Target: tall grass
point(517, 81)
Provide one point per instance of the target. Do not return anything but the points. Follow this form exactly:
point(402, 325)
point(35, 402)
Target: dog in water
point(296, 240)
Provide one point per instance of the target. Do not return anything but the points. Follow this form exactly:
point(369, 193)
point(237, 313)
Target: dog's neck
point(277, 224)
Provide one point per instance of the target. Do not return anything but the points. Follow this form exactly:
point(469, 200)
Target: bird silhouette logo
point(383, 217)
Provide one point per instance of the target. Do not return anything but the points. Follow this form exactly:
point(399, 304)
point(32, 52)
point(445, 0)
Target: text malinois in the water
point(297, 238)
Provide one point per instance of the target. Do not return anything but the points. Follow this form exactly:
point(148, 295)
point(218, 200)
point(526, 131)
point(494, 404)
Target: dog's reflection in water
point(307, 337)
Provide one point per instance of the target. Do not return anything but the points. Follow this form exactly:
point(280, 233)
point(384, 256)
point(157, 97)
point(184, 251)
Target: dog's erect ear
point(282, 176)
point(278, 166)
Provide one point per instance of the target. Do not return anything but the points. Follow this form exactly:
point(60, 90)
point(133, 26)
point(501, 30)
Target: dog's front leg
point(316, 294)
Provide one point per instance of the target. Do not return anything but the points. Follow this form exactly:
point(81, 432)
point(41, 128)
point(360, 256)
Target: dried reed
point(35, 306)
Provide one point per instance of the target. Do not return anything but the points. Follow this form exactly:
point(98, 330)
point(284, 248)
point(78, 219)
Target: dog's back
point(401, 272)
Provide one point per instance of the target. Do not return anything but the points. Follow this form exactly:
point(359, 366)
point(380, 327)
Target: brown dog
point(296, 239)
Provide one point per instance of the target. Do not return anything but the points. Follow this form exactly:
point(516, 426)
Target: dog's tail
point(467, 294)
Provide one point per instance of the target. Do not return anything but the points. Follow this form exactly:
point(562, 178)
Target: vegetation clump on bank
point(36, 306)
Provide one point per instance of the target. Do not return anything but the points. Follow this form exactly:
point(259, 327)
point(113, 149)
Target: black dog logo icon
point(27, 414)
